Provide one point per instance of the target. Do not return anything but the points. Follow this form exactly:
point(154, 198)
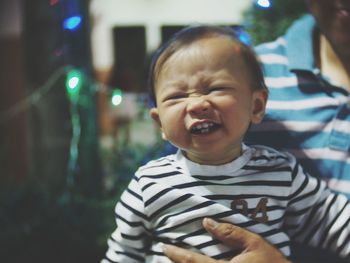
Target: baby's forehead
point(210, 47)
point(207, 50)
point(205, 56)
point(220, 40)
point(221, 44)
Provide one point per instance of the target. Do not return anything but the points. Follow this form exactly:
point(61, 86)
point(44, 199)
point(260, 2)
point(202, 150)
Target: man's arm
point(254, 248)
point(316, 216)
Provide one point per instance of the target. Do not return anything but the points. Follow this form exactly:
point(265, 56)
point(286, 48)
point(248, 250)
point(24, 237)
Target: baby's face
point(204, 100)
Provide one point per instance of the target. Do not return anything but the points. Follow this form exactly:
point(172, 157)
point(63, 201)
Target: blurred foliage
point(124, 160)
point(70, 226)
point(36, 226)
point(266, 24)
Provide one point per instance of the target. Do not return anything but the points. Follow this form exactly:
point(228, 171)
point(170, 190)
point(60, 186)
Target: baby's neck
point(213, 159)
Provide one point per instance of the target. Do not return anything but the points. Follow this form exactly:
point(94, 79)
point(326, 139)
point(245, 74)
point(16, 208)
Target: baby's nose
point(198, 104)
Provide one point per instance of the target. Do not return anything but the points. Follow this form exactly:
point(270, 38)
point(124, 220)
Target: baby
point(207, 89)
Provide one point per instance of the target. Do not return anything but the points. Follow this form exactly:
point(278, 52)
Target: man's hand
point(254, 248)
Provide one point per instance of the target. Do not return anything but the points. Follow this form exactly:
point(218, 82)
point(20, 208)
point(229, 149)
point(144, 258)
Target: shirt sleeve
point(128, 243)
point(316, 216)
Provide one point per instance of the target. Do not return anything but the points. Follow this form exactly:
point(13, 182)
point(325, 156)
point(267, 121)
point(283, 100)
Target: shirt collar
point(202, 169)
point(300, 48)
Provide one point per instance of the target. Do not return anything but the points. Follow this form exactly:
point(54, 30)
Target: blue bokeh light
point(72, 23)
point(243, 36)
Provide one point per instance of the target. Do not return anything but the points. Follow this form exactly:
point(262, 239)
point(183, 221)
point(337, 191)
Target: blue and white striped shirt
point(264, 191)
point(307, 114)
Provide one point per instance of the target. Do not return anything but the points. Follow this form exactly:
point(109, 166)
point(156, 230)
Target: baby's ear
point(258, 106)
point(155, 116)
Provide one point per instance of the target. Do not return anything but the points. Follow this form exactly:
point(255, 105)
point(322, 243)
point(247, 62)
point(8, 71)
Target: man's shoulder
point(273, 57)
point(301, 30)
point(277, 46)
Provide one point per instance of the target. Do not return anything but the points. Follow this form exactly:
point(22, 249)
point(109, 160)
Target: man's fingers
point(180, 255)
point(253, 248)
point(231, 235)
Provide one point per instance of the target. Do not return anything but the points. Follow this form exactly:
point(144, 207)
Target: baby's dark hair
point(190, 34)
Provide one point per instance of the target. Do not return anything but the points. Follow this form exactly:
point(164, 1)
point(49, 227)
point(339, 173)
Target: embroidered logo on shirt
point(258, 214)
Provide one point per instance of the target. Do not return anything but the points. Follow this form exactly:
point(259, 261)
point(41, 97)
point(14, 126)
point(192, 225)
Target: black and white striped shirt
point(263, 190)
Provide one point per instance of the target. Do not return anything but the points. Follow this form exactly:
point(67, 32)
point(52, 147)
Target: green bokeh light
point(74, 83)
point(117, 97)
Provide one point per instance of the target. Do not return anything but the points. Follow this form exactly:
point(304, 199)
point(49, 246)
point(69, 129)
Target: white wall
point(153, 14)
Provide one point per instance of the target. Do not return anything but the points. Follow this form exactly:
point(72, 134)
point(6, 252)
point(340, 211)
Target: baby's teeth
point(203, 125)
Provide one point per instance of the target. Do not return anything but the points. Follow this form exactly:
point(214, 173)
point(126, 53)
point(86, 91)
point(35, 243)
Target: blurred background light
point(117, 97)
point(73, 83)
point(72, 23)
point(243, 35)
point(53, 2)
point(263, 3)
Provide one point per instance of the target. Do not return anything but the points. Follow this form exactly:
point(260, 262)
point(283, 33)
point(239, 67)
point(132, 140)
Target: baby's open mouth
point(205, 127)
